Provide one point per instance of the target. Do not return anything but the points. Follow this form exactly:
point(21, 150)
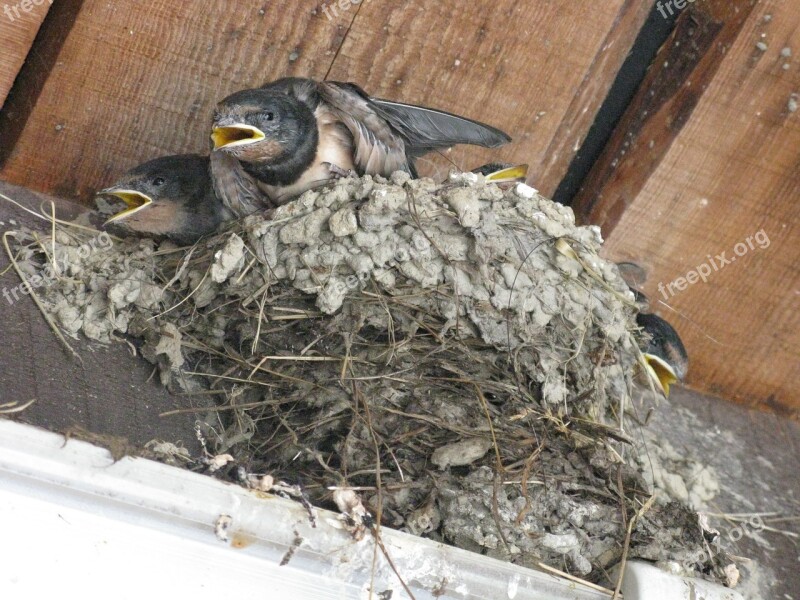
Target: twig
point(566, 575)
point(10, 408)
point(171, 308)
point(35, 297)
point(46, 218)
point(645, 507)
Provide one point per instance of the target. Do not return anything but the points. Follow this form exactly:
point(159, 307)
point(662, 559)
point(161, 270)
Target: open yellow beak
point(235, 135)
point(660, 372)
point(518, 173)
point(135, 201)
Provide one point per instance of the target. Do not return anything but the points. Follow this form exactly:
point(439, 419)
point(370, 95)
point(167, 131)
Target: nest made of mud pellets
point(456, 353)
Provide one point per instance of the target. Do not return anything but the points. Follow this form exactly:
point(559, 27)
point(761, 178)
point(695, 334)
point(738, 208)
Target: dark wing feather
point(378, 149)
point(388, 135)
point(426, 128)
point(235, 188)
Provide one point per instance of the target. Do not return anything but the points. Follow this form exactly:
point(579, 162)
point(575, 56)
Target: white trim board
point(75, 521)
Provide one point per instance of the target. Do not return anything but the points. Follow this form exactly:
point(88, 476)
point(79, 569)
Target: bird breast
point(335, 146)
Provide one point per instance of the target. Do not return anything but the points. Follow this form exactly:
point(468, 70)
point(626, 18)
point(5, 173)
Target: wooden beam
point(678, 77)
point(706, 162)
point(18, 26)
point(164, 65)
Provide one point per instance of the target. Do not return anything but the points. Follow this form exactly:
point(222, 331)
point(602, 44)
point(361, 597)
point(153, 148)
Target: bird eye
point(270, 116)
point(158, 181)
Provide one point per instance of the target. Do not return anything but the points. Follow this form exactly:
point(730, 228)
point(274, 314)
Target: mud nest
point(456, 354)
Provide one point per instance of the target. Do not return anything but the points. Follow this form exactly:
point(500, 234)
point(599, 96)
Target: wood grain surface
point(707, 157)
point(19, 22)
point(137, 80)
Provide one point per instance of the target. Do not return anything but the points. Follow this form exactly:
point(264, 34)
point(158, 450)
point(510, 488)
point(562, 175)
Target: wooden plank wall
point(707, 156)
point(19, 23)
point(136, 80)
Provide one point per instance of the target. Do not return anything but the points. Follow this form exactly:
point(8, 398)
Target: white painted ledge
point(75, 522)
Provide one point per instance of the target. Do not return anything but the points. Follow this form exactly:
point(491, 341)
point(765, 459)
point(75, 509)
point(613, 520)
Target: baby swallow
point(503, 173)
point(665, 357)
point(294, 134)
point(169, 197)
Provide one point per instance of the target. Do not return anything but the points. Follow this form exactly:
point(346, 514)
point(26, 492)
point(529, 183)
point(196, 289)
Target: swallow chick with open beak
point(665, 358)
point(170, 197)
point(500, 173)
point(295, 134)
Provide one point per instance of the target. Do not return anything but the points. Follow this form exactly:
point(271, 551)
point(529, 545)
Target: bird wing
point(425, 129)
point(235, 188)
point(378, 149)
point(388, 135)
